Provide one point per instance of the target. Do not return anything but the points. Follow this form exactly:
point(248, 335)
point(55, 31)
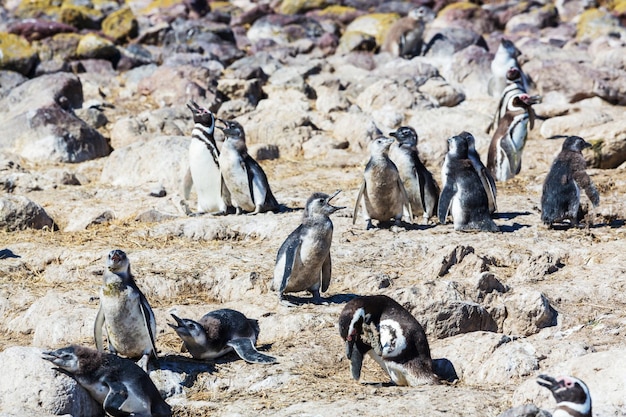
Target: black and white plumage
point(219, 332)
point(382, 194)
point(489, 184)
point(505, 151)
point(405, 36)
point(117, 383)
point(419, 183)
point(504, 59)
point(125, 313)
point(560, 198)
point(245, 179)
point(463, 194)
point(204, 167)
point(513, 87)
point(379, 326)
point(303, 262)
point(572, 395)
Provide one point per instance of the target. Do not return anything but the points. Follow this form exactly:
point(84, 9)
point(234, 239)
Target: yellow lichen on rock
point(375, 25)
point(300, 6)
point(121, 25)
point(594, 23)
point(16, 53)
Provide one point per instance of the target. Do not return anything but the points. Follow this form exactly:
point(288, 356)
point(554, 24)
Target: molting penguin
point(504, 59)
point(204, 163)
point(419, 183)
point(382, 328)
point(489, 184)
point(560, 198)
point(405, 36)
point(125, 313)
point(463, 194)
point(505, 151)
point(382, 193)
point(118, 384)
point(220, 332)
point(245, 179)
point(303, 261)
point(571, 394)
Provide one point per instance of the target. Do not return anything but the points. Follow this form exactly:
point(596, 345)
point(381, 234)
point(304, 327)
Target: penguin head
point(232, 130)
point(521, 101)
point(469, 139)
point(568, 389)
point(575, 143)
point(422, 13)
point(74, 359)
point(510, 48)
point(406, 136)
point(188, 330)
point(513, 75)
point(319, 203)
point(202, 115)
point(117, 261)
point(380, 146)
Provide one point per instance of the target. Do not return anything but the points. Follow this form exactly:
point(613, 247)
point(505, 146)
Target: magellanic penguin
point(245, 179)
point(419, 183)
point(514, 87)
point(303, 261)
point(382, 193)
point(572, 395)
point(125, 313)
point(504, 159)
point(504, 59)
point(560, 198)
point(118, 384)
point(204, 163)
point(489, 184)
point(405, 36)
point(382, 328)
point(220, 332)
point(463, 194)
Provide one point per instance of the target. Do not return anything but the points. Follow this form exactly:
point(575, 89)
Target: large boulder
point(19, 213)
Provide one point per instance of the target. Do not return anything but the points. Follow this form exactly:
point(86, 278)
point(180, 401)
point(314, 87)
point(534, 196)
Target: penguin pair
point(121, 387)
point(380, 327)
point(572, 395)
point(560, 197)
point(230, 177)
point(468, 192)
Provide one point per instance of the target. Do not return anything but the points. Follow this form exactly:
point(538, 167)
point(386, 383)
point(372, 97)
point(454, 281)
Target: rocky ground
point(502, 307)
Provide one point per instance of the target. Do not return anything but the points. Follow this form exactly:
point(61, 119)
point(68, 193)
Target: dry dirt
point(312, 376)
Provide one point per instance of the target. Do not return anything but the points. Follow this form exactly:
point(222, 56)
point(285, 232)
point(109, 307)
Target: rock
point(17, 54)
point(300, 6)
point(19, 213)
point(249, 90)
point(185, 83)
point(593, 23)
point(373, 25)
point(162, 160)
point(83, 218)
point(577, 86)
point(535, 19)
point(9, 80)
point(125, 131)
point(441, 92)
point(121, 25)
point(92, 46)
point(527, 313)
point(538, 266)
point(488, 283)
point(449, 319)
point(37, 29)
point(264, 152)
point(608, 145)
point(526, 410)
point(466, 15)
point(27, 376)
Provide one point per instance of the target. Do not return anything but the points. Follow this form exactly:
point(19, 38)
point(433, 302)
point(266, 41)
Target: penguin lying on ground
point(571, 394)
point(118, 384)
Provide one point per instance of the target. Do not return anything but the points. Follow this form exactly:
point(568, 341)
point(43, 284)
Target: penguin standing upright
point(382, 193)
point(204, 163)
point(245, 179)
point(377, 325)
point(419, 183)
point(463, 194)
point(405, 37)
point(489, 184)
point(513, 87)
point(303, 261)
point(118, 384)
point(560, 198)
point(505, 151)
point(125, 313)
point(504, 59)
point(219, 332)
point(572, 395)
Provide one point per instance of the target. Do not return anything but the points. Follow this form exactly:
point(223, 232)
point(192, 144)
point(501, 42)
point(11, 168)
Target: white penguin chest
point(315, 245)
point(235, 176)
point(206, 177)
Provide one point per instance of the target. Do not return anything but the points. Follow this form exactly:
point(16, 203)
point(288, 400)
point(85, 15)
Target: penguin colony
point(396, 185)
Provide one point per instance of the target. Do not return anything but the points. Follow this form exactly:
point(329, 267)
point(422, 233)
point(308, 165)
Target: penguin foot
point(369, 225)
point(182, 206)
point(143, 362)
point(284, 302)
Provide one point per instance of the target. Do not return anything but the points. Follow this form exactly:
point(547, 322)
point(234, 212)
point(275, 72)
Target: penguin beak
point(548, 382)
point(333, 208)
point(587, 145)
point(193, 106)
point(180, 325)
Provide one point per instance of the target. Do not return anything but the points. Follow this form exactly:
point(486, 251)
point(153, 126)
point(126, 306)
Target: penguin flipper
point(326, 270)
point(290, 251)
point(246, 351)
point(187, 184)
point(356, 360)
point(148, 319)
point(97, 330)
point(490, 189)
point(115, 399)
point(407, 202)
point(445, 198)
point(358, 201)
point(584, 181)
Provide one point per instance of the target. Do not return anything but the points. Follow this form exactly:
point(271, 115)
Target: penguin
point(204, 165)
point(505, 58)
point(220, 332)
point(405, 36)
point(572, 395)
point(463, 193)
point(117, 383)
point(421, 187)
point(382, 193)
point(504, 159)
point(245, 179)
point(489, 184)
point(560, 198)
point(513, 87)
point(125, 313)
point(303, 261)
point(377, 325)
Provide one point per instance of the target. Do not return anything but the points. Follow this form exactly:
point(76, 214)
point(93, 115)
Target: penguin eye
point(569, 384)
